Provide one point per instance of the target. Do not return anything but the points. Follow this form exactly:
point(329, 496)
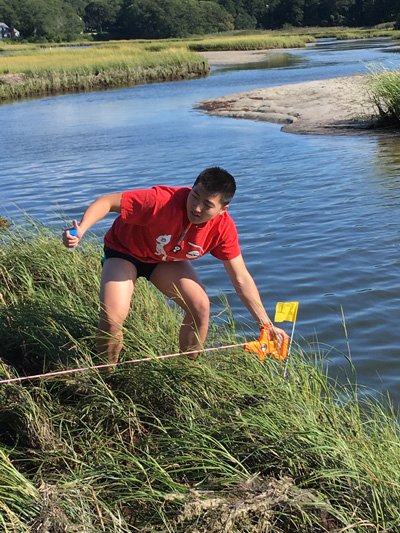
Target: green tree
point(161, 19)
point(289, 12)
point(229, 6)
point(143, 18)
point(396, 13)
point(101, 15)
point(247, 14)
point(311, 13)
point(255, 8)
point(396, 9)
point(7, 13)
point(51, 20)
point(370, 12)
point(244, 21)
point(77, 5)
point(62, 20)
point(214, 18)
point(335, 12)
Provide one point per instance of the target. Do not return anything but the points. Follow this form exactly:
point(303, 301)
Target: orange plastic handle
point(266, 345)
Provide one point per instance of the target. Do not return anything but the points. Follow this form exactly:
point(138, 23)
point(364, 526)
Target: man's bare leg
point(180, 282)
point(117, 284)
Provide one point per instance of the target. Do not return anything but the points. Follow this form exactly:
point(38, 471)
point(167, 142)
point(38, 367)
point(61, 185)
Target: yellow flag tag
point(286, 311)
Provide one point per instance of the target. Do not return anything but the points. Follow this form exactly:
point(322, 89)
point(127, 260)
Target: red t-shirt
point(153, 221)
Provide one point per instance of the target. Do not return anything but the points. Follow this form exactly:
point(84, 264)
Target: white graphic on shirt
point(194, 253)
point(161, 241)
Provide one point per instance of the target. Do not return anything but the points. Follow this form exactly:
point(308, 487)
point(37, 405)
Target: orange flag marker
point(267, 344)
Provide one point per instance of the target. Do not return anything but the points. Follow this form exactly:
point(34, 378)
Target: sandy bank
point(339, 106)
point(235, 57)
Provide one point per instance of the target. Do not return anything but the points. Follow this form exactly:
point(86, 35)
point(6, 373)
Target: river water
point(318, 216)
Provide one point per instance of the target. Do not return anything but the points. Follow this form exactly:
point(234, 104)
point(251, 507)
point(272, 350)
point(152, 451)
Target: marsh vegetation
point(223, 444)
point(384, 87)
point(49, 71)
point(27, 72)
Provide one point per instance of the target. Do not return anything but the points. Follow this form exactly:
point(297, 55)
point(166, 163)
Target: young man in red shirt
point(157, 235)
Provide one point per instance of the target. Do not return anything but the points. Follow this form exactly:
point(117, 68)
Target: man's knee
point(110, 322)
point(201, 310)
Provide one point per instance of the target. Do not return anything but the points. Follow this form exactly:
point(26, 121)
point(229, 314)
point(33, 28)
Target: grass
point(39, 71)
point(384, 89)
point(225, 444)
point(354, 33)
point(344, 32)
point(251, 42)
point(93, 58)
point(58, 70)
point(32, 70)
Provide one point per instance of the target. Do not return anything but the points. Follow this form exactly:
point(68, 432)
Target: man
point(157, 235)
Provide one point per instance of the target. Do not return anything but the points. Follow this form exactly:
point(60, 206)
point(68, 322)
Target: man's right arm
point(110, 203)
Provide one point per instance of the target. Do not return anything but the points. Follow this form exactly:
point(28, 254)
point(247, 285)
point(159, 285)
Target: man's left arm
point(247, 291)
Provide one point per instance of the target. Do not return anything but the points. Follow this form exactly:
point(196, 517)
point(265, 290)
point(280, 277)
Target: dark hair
point(216, 180)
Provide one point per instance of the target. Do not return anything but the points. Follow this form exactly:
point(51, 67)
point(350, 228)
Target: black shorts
point(144, 270)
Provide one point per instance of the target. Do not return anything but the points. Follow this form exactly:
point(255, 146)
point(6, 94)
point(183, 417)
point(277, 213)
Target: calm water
point(318, 216)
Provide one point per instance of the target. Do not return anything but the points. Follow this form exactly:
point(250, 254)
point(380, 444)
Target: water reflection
point(355, 45)
point(386, 164)
point(271, 60)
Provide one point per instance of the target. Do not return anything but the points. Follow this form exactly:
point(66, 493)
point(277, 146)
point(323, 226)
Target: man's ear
point(225, 208)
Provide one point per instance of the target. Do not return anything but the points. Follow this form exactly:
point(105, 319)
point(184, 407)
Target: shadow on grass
point(36, 339)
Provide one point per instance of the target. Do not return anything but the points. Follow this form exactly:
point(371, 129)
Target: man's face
point(201, 207)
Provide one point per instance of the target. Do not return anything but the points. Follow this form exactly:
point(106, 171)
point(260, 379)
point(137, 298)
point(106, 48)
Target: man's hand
point(272, 341)
point(280, 337)
point(71, 241)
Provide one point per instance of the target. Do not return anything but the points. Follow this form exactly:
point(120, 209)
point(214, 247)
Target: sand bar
point(338, 106)
point(235, 57)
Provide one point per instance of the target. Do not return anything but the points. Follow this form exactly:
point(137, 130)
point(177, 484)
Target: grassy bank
point(251, 42)
point(48, 71)
point(351, 34)
point(226, 444)
point(43, 71)
point(31, 70)
point(344, 33)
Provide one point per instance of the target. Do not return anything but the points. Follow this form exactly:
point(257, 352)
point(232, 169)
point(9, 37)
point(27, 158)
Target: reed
point(37, 71)
point(343, 34)
point(384, 90)
point(248, 42)
point(75, 69)
point(367, 34)
point(224, 444)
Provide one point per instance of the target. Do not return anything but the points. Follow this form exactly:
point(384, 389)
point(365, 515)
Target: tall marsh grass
point(91, 58)
point(344, 34)
point(223, 444)
point(248, 42)
point(384, 89)
point(75, 69)
point(226, 42)
point(26, 72)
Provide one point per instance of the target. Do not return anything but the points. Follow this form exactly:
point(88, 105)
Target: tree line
point(65, 20)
